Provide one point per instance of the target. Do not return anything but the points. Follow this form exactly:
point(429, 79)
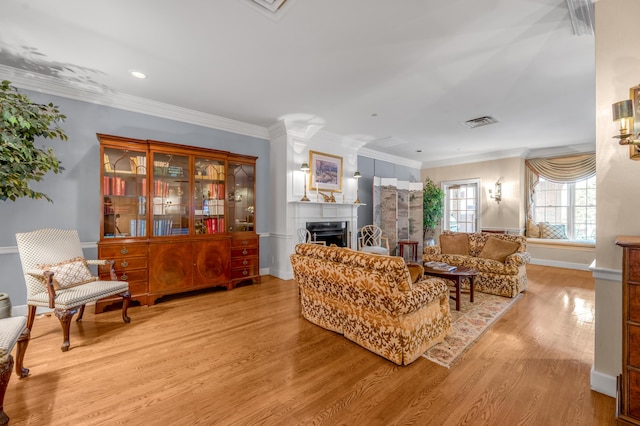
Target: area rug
point(468, 324)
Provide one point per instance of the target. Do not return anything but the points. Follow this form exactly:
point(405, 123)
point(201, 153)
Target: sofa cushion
point(498, 249)
point(557, 232)
point(533, 229)
point(416, 272)
point(454, 244)
point(70, 273)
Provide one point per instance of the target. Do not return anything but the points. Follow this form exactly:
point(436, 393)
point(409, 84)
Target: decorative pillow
point(454, 244)
point(498, 249)
point(533, 229)
point(416, 272)
point(70, 273)
point(552, 231)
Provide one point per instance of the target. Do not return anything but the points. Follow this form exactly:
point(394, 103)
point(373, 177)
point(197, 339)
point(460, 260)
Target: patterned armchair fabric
point(370, 299)
point(503, 279)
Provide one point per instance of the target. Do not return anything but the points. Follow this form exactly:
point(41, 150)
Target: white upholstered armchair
point(57, 277)
point(12, 330)
point(372, 241)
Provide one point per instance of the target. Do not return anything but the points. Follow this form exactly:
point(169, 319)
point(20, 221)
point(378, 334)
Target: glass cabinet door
point(241, 198)
point(209, 196)
point(124, 192)
point(170, 189)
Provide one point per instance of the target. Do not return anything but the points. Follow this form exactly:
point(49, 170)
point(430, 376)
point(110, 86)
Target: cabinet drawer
point(140, 275)
point(633, 385)
point(119, 250)
point(634, 345)
point(247, 272)
point(129, 263)
point(244, 242)
point(634, 302)
point(244, 262)
point(138, 288)
point(242, 252)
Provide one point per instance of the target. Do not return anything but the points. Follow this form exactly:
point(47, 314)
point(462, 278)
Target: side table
point(456, 276)
point(414, 248)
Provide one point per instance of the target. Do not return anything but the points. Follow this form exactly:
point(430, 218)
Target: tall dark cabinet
point(176, 218)
point(628, 401)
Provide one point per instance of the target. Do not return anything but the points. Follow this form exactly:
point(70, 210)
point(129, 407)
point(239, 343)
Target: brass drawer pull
point(245, 272)
point(124, 251)
point(245, 252)
point(124, 277)
point(245, 262)
point(124, 264)
point(244, 242)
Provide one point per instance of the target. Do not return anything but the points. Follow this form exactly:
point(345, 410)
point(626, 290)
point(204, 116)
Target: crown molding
point(58, 87)
point(377, 155)
point(476, 158)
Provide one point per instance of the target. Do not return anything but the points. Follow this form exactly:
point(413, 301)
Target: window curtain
point(559, 170)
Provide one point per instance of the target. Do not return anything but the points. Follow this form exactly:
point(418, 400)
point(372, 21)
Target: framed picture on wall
point(326, 172)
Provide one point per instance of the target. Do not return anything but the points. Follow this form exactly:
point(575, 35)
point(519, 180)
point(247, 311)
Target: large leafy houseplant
point(432, 206)
point(21, 122)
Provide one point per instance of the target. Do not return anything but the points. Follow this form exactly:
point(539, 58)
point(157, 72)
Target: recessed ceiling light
point(418, 150)
point(138, 74)
point(375, 114)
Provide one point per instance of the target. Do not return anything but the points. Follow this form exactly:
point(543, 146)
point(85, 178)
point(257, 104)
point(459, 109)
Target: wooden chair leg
point(65, 315)
point(80, 314)
point(126, 300)
point(23, 342)
point(31, 317)
point(5, 375)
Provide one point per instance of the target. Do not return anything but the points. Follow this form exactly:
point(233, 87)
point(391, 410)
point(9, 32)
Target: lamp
point(623, 112)
point(305, 168)
point(496, 192)
point(357, 177)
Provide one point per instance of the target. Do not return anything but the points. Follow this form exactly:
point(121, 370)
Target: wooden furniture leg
point(23, 342)
point(65, 315)
point(458, 283)
point(5, 375)
point(126, 300)
point(80, 314)
point(31, 317)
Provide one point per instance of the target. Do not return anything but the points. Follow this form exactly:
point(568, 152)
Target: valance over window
point(559, 170)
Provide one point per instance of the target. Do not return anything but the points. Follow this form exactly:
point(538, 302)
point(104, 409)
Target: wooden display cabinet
point(171, 216)
point(628, 394)
point(245, 244)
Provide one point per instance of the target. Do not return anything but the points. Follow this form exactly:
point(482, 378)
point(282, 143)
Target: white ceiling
point(401, 75)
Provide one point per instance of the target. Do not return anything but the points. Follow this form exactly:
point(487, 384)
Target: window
point(461, 201)
point(571, 204)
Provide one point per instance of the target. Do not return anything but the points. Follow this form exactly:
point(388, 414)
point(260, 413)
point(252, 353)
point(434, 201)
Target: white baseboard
point(560, 264)
point(603, 383)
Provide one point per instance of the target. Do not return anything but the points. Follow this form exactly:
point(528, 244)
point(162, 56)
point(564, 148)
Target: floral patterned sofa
point(500, 259)
point(371, 300)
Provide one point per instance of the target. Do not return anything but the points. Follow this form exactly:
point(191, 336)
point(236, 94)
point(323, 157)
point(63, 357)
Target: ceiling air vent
point(271, 8)
point(480, 121)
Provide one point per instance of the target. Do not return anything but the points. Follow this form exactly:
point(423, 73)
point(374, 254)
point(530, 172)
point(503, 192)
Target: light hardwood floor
point(246, 357)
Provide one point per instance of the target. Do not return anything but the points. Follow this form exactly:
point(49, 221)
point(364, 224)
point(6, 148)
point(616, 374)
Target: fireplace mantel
point(313, 211)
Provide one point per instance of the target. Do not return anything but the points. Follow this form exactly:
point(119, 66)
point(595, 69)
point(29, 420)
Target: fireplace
point(331, 232)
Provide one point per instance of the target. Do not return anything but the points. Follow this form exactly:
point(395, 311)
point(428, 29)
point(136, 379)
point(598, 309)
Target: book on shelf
point(108, 167)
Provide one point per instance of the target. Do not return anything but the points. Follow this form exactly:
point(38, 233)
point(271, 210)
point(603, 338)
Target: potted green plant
point(21, 162)
point(433, 209)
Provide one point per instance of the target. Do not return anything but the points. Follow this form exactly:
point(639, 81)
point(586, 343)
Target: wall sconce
point(624, 112)
point(305, 168)
point(357, 177)
point(496, 192)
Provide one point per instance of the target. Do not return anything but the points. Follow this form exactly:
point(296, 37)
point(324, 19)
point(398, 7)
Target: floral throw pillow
point(70, 273)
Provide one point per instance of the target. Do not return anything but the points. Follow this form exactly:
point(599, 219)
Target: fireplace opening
point(330, 232)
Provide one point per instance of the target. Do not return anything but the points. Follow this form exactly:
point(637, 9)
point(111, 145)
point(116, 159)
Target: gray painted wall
point(368, 168)
point(75, 191)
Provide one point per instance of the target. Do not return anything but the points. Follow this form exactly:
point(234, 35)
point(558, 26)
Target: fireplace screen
point(330, 232)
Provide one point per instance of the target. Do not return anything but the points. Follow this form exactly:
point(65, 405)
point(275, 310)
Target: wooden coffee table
point(456, 276)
